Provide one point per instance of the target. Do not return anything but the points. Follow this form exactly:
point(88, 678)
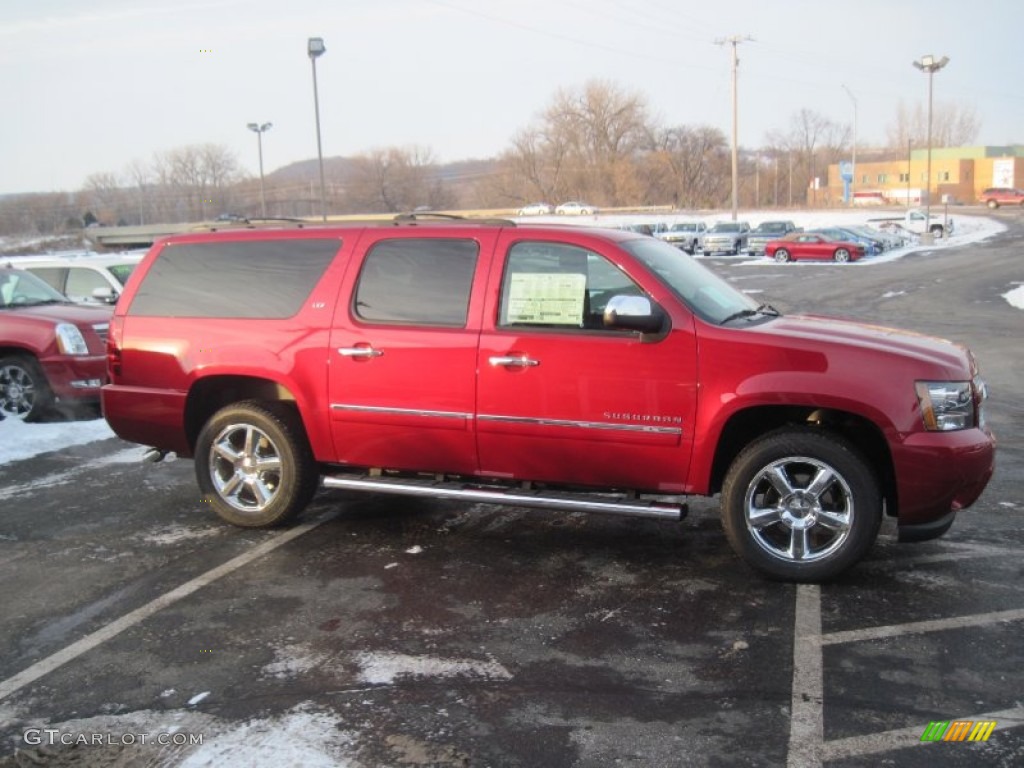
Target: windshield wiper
point(764, 309)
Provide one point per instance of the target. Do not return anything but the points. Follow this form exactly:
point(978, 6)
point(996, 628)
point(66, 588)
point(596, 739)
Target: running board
point(438, 489)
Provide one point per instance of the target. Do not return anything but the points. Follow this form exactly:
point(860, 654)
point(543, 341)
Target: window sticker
point(546, 298)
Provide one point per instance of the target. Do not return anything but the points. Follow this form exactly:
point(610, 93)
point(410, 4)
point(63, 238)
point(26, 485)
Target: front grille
point(102, 330)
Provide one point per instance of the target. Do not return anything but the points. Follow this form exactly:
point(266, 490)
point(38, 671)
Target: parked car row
point(571, 208)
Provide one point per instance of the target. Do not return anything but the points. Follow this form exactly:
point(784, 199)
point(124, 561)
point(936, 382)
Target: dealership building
point(959, 174)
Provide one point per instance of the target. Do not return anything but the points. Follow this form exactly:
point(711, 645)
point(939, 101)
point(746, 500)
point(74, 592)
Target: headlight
point(70, 340)
point(946, 405)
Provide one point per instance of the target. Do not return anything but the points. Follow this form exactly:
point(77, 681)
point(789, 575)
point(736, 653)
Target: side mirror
point(106, 295)
point(633, 313)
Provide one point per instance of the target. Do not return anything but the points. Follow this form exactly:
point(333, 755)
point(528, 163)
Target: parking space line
point(806, 717)
point(129, 620)
point(918, 627)
point(901, 738)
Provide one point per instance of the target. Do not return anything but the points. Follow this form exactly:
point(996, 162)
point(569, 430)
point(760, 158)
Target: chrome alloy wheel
point(17, 391)
point(245, 467)
point(799, 509)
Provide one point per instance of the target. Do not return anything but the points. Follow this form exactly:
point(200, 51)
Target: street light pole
point(315, 48)
point(260, 129)
point(853, 172)
point(931, 65)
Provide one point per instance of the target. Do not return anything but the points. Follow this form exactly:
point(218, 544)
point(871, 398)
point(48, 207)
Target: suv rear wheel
point(801, 505)
point(24, 391)
point(254, 465)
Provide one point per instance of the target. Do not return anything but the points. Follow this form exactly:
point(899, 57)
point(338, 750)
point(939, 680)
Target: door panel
point(583, 405)
point(402, 370)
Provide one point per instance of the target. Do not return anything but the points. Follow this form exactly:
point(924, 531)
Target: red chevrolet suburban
point(561, 367)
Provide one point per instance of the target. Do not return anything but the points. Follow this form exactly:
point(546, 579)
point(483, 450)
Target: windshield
point(726, 226)
point(23, 289)
point(708, 295)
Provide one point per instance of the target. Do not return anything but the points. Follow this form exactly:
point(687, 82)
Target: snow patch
point(198, 698)
point(19, 440)
point(1015, 297)
point(415, 550)
point(385, 668)
point(292, 661)
point(300, 738)
point(173, 534)
point(893, 294)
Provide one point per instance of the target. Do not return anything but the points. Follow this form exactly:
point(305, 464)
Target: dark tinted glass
point(417, 281)
point(258, 278)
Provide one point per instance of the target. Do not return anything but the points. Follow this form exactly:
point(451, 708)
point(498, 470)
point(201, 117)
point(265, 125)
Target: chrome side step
point(525, 497)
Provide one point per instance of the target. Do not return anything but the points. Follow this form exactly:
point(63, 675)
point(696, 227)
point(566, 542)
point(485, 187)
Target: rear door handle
point(513, 361)
point(366, 351)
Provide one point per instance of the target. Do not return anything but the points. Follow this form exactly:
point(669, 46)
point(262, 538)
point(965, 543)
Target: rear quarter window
point(258, 278)
point(417, 281)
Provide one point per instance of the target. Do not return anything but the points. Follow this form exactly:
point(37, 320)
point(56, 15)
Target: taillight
point(114, 349)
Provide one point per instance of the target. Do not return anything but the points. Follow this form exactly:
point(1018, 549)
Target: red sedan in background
point(805, 245)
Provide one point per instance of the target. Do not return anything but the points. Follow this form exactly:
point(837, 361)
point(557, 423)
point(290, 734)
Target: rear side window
point(52, 275)
point(258, 278)
point(82, 282)
point(418, 281)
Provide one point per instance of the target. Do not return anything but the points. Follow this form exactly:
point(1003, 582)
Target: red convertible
point(805, 245)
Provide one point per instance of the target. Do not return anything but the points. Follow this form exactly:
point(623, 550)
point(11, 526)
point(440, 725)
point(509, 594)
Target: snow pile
point(19, 440)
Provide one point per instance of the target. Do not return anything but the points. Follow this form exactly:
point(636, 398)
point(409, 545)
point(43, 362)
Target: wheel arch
point(211, 393)
point(749, 424)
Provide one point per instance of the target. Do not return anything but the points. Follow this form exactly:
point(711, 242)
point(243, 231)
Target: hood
point(79, 314)
point(819, 331)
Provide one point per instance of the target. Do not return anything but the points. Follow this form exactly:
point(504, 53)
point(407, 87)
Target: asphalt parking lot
point(138, 630)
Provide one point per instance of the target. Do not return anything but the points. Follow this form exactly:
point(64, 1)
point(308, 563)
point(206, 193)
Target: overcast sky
point(90, 85)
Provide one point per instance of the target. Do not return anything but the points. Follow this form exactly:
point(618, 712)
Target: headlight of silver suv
point(70, 340)
point(946, 405)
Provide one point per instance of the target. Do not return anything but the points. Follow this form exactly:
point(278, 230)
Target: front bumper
point(76, 378)
point(938, 474)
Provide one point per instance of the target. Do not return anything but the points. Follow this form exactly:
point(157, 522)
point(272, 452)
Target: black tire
point(233, 444)
point(842, 255)
point(802, 533)
point(936, 230)
point(782, 255)
point(25, 393)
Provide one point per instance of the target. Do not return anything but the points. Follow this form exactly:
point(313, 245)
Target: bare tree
point(691, 164)
point(953, 125)
point(585, 144)
point(811, 144)
point(396, 179)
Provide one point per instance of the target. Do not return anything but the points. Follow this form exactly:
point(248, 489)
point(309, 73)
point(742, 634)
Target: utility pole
point(734, 41)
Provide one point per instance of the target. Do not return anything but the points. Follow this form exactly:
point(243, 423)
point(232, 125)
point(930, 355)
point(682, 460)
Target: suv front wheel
point(801, 505)
point(254, 465)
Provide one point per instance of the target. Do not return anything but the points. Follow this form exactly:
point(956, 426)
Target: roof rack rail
point(253, 223)
point(423, 216)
